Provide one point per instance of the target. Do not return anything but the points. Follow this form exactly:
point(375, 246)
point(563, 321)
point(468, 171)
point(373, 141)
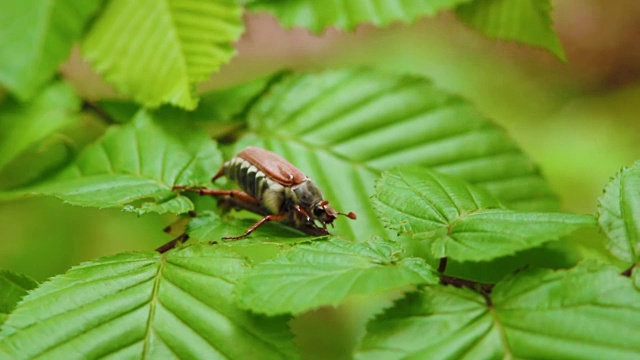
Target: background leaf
point(26, 124)
point(619, 214)
point(136, 166)
point(347, 14)
point(326, 273)
point(36, 36)
point(461, 222)
point(138, 305)
point(155, 51)
point(589, 312)
point(342, 128)
point(13, 287)
point(526, 21)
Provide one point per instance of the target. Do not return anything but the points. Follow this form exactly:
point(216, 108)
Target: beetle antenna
point(350, 215)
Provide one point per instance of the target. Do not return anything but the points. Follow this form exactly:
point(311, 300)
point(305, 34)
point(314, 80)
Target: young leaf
point(36, 36)
point(526, 21)
point(26, 124)
point(139, 162)
point(156, 51)
point(326, 273)
point(619, 214)
point(347, 14)
point(460, 221)
point(342, 128)
point(590, 312)
point(145, 305)
point(13, 287)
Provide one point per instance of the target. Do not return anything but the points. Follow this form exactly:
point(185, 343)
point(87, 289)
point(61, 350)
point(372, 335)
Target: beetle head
point(326, 214)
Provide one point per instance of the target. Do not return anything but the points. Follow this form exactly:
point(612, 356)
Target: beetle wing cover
point(273, 165)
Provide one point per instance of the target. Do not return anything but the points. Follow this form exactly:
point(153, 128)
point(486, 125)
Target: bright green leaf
point(145, 305)
point(590, 312)
point(317, 15)
point(326, 273)
point(13, 287)
point(619, 214)
point(156, 51)
point(36, 36)
point(526, 21)
point(23, 125)
point(342, 128)
point(135, 166)
point(460, 221)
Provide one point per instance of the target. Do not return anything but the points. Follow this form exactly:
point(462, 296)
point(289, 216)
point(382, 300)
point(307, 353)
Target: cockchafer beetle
point(273, 187)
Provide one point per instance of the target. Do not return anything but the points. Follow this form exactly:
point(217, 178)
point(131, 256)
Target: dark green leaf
point(347, 14)
point(136, 166)
point(590, 312)
point(23, 125)
point(13, 287)
point(326, 273)
point(156, 51)
point(619, 214)
point(342, 128)
point(145, 305)
point(36, 36)
point(526, 21)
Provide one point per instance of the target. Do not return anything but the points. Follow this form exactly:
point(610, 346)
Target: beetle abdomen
point(256, 183)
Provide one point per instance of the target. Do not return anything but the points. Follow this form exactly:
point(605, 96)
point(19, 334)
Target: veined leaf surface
point(135, 166)
point(590, 312)
point(619, 214)
point(145, 305)
point(460, 221)
point(157, 50)
point(342, 128)
point(326, 273)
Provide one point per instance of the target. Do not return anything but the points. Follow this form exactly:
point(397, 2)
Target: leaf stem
point(102, 114)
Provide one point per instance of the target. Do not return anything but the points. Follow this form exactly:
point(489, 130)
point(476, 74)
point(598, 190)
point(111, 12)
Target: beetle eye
point(318, 211)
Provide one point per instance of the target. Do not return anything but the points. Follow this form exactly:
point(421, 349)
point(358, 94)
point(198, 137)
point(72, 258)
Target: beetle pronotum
point(273, 187)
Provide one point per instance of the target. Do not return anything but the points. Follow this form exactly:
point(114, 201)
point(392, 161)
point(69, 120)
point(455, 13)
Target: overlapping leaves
point(590, 312)
point(13, 287)
point(460, 221)
point(136, 166)
point(145, 305)
point(36, 36)
point(25, 124)
point(342, 128)
point(326, 273)
point(156, 51)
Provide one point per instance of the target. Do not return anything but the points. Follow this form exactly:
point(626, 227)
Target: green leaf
point(23, 125)
point(156, 51)
point(342, 128)
point(36, 36)
point(145, 305)
point(619, 214)
point(526, 21)
point(590, 312)
point(13, 287)
point(326, 273)
point(135, 166)
point(347, 14)
point(460, 221)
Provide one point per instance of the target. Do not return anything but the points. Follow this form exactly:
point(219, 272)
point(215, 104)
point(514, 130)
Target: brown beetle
point(273, 187)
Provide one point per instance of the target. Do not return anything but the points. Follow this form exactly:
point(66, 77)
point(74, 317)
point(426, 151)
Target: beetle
point(273, 187)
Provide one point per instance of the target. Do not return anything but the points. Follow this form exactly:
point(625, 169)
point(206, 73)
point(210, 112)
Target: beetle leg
point(237, 194)
point(272, 217)
point(218, 175)
point(302, 212)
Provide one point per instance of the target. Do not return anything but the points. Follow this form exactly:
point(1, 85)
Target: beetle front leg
point(272, 217)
